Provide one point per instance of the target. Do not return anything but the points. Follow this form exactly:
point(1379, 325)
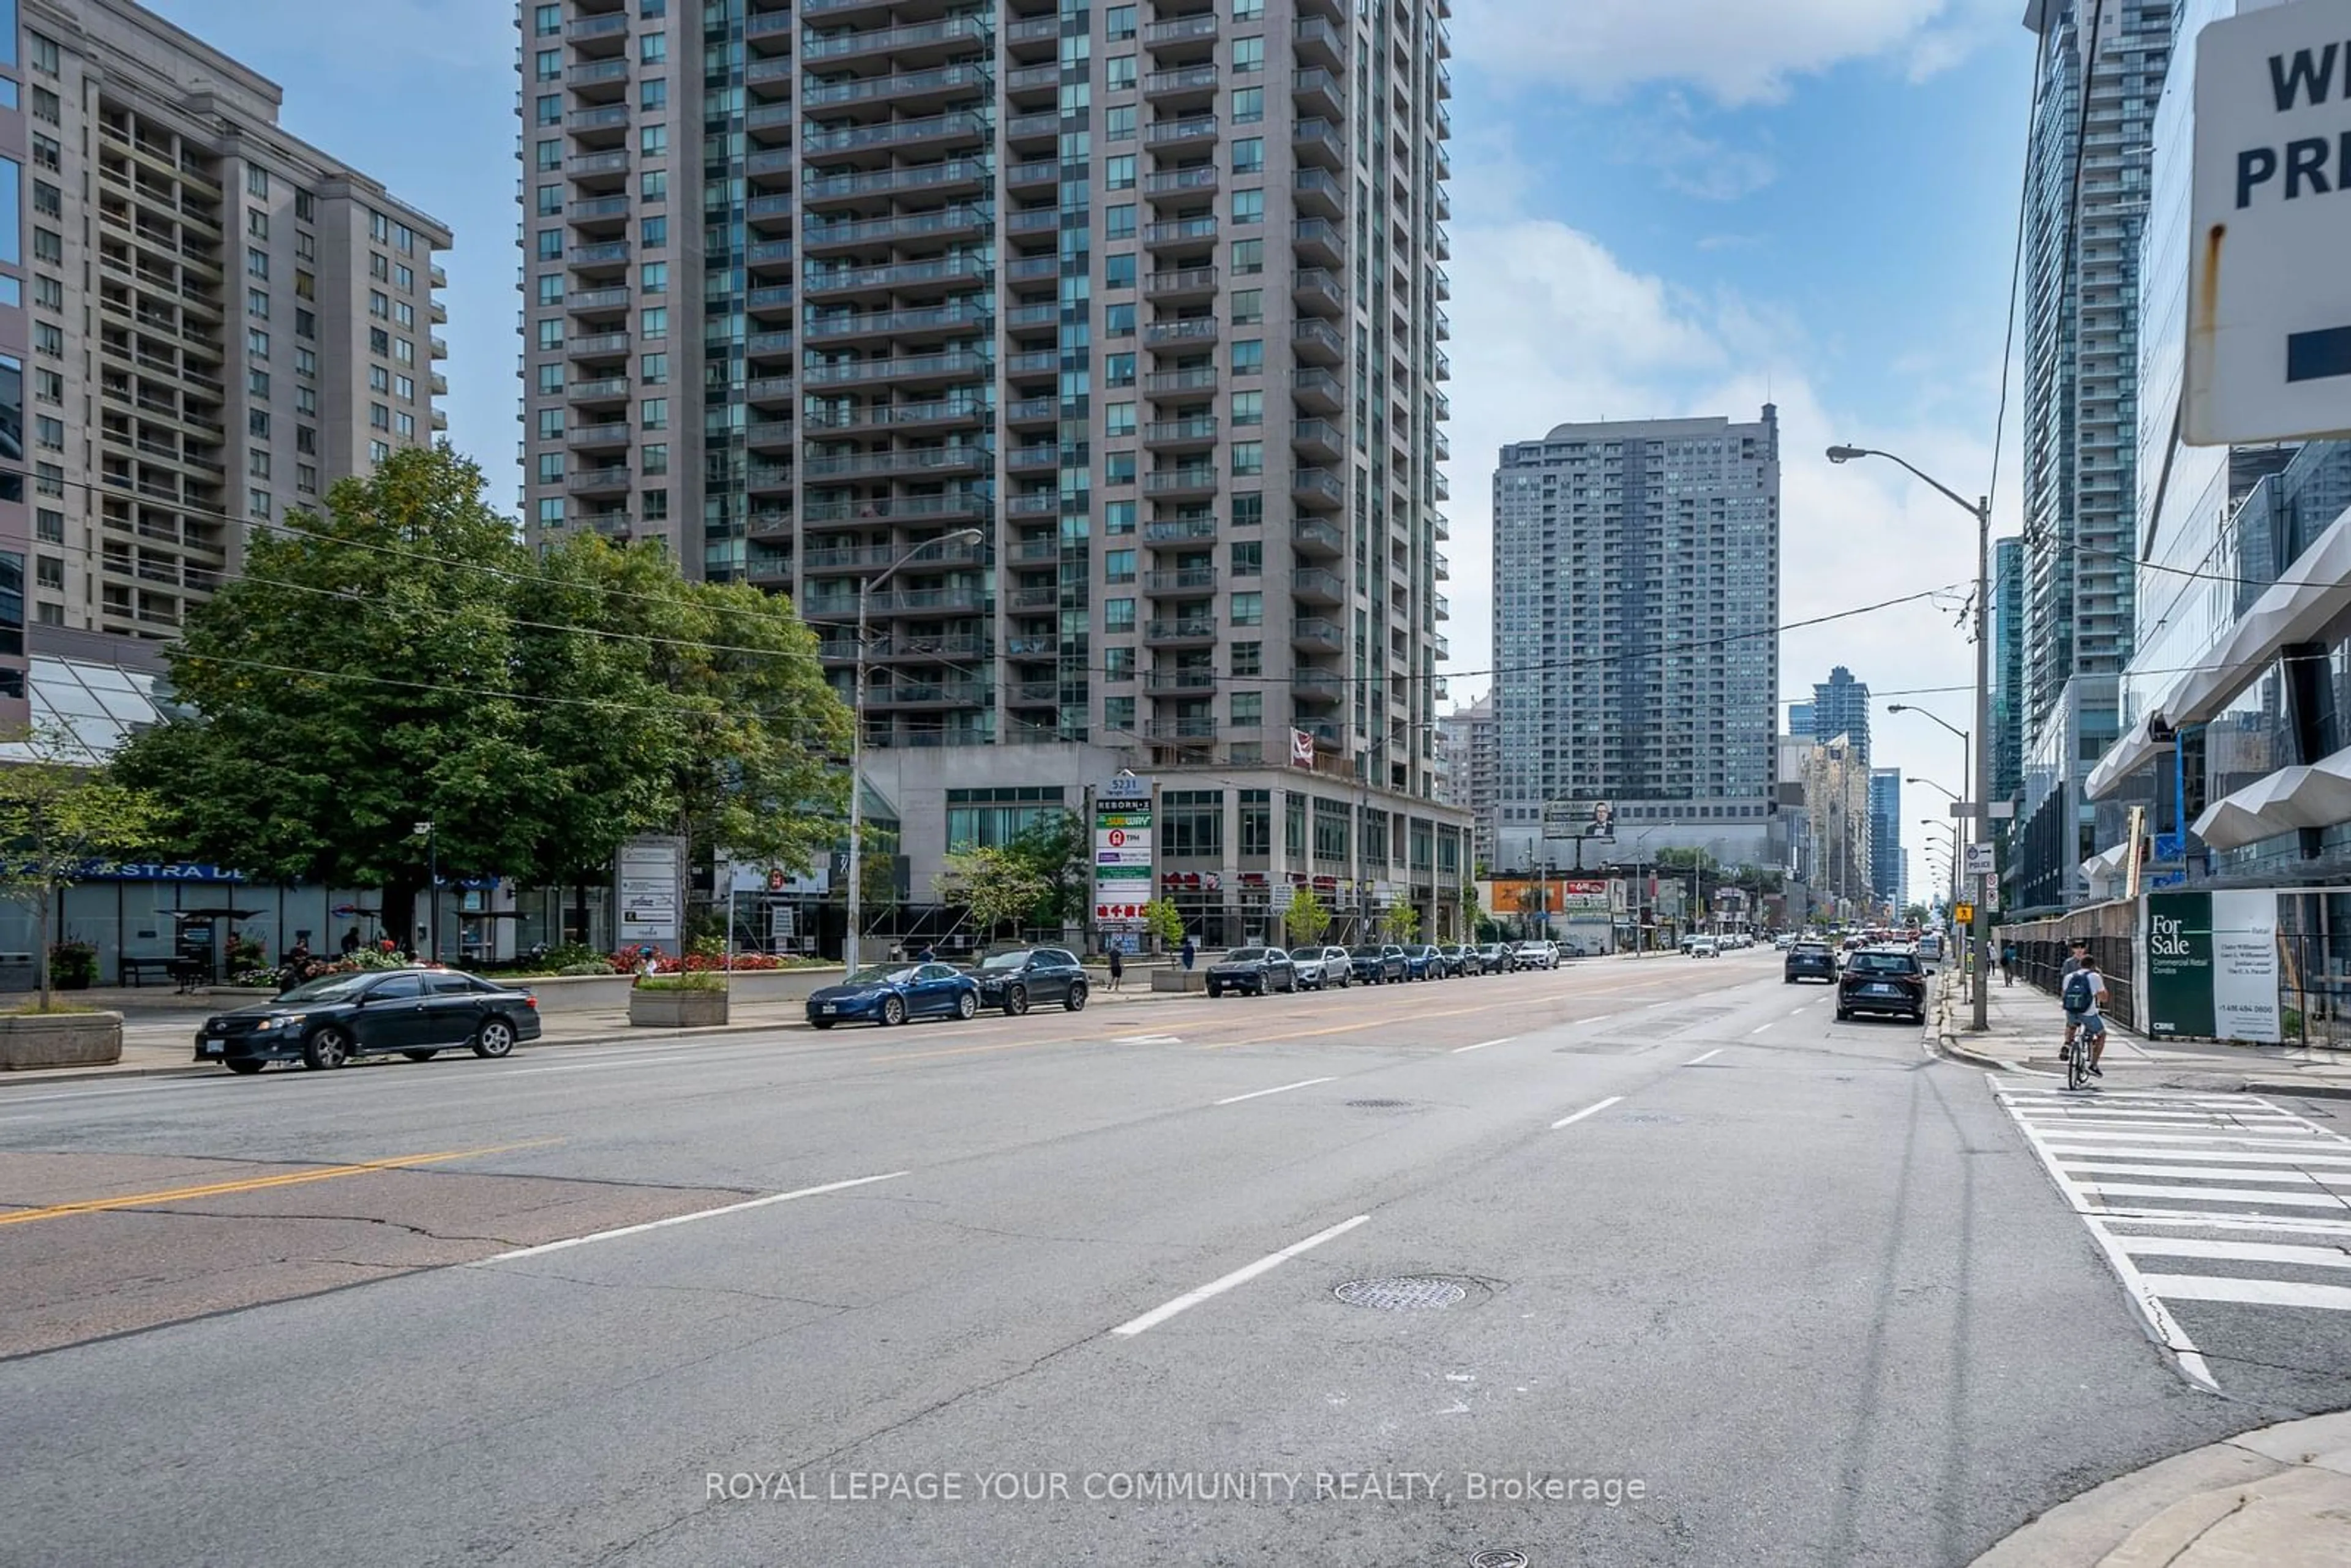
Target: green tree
point(1305, 918)
point(993, 883)
point(1400, 923)
point(1161, 919)
point(56, 817)
point(1059, 849)
point(1914, 914)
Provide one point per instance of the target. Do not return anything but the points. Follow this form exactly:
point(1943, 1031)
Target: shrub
point(564, 956)
point(73, 965)
point(694, 982)
point(590, 967)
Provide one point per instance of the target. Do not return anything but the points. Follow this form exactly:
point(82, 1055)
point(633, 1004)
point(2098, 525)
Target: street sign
point(1979, 860)
point(2269, 302)
point(1965, 914)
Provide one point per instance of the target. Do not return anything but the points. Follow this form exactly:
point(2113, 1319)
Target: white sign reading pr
point(2269, 294)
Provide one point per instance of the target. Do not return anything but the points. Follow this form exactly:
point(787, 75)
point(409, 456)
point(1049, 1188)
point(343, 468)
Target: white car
point(1321, 967)
point(1704, 947)
point(1535, 956)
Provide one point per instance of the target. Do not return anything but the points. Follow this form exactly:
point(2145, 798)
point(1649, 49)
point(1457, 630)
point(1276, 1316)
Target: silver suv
point(1535, 956)
point(1319, 967)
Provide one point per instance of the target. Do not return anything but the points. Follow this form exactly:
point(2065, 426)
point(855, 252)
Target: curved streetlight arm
point(1930, 784)
point(1923, 713)
point(1845, 454)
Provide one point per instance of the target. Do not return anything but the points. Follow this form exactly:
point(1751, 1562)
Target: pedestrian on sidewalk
point(1117, 966)
point(1191, 949)
point(2008, 963)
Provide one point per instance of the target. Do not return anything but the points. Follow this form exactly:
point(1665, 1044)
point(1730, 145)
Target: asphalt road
point(1695, 1275)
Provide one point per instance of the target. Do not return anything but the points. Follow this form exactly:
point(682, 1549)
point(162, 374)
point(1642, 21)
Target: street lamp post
point(431, 889)
point(1953, 825)
point(857, 742)
point(1979, 779)
point(1967, 770)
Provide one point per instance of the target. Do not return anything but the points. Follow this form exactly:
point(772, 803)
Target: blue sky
point(1660, 207)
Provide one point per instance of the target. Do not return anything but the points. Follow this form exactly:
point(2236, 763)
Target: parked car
point(1456, 959)
point(1376, 966)
point(1423, 962)
point(327, 1022)
point(1256, 971)
point(1535, 956)
point(1809, 961)
point(1880, 980)
point(1703, 947)
point(893, 996)
point(1490, 957)
point(1320, 968)
point(1019, 978)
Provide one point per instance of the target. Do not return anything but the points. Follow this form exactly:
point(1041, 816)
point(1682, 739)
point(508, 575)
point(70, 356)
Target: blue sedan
point(922, 990)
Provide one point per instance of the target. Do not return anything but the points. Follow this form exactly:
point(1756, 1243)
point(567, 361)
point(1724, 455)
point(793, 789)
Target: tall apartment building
point(1887, 863)
point(2101, 65)
point(1637, 598)
point(1469, 759)
point(1148, 294)
point(1837, 795)
point(16, 346)
point(2007, 670)
point(1840, 705)
point(224, 320)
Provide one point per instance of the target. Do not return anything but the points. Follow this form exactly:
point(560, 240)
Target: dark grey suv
point(1020, 977)
point(1256, 970)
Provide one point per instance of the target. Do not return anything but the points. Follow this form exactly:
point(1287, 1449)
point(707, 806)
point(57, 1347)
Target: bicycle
point(2076, 1055)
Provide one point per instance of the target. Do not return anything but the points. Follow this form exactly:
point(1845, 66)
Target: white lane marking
point(1146, 1039)
point(2215, 1194)
point(1604, 1018)
point(2261, 1292)
point(2155, 1137)
point(2182, 1220)
point(615, 1235)
point(2237, 1251)
point(1793, 1012)
point(2223, 1157)
point(1484, 1043)
point(1587, 1110)
point(2199, 1173)
point(1240, 1276)
point(1756, 1032)
point(1708, 1056)
point(1262, 1093)
point(1670, 1001)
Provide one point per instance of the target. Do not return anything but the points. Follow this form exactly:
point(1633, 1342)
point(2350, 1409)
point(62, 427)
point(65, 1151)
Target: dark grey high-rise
point(1636, 590)
point(1840, 705)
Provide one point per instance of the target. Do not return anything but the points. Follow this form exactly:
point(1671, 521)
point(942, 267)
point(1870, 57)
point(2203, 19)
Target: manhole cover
point(1379, 1105)
point(1405, 1294)
point(1498, 1560)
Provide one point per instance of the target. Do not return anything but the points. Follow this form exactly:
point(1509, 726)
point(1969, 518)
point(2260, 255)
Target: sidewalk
point(2028, 1027)
point(156, 1046)
point(2276, 1498)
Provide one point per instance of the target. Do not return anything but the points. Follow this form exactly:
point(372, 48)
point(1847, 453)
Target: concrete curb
point(2318, 1090)
point(2272, 1496)
point(636, 1035)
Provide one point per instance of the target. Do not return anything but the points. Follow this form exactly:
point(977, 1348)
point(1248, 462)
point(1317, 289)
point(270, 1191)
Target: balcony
point(876, 280)
point(596, 76)
point(929, 37)
point(928, 179)
point(1179, 234)
point(598, 166)
point(600, 481)
point(1318, 42)
point(1033, 174)
point(1033, 694)
point(1182, 731)
point(1313, 538)
point(1034, 504)
point(941, 320)
point(1188, 479)
point(605, 117)
point(1181, 531)
point(1195, 131)
point(1315, 585)
point(945, 83)
point(1313, 634)
point(1439, 567)
point(585, 28)
point(598, 437)
point(1191, 581)
point(598, 346)
point(1183, 85)
point(873, 558)
point(1318, 440)
point(1181, 34)
point(931, 461)
point(1033, 35)
point(1319, 241)
point(1197, 331)
point(938, 414)
point(597, 257)
point(1317, 487)
point(931, 130)
point(922, 368)
point(956, 505)
point(857, 234)
point(1318, 192)
point(1180, 434)
point(770, 435)
point(1033, 412)
point(1316, 91)
point(1027, 130)
point(1318, 685)
point(1317, 342)
point(604, 390)
point(1044, 458)
point(1170, 683)
point(1317, 140)
point(1318, 290)
point(1182, 632)
point(1180, 285)
point(1168, 384)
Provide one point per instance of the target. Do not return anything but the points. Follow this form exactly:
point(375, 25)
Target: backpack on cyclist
point(2081, 993)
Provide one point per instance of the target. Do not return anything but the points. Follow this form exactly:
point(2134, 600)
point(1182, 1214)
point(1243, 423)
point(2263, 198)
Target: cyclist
point(2085, 996)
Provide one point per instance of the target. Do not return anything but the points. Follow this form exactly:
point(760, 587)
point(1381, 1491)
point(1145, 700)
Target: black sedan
point(1809, 960)
point(919, 991)
point(327, 1022)
point(1017, 979)
point(1256, 971)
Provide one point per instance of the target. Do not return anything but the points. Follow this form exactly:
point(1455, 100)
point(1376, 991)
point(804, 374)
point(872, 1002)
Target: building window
point(653, 141)
point(48, 386)
point(1248, 206)
point(1118, 24)
point(256, 462)
point(405, 426)
point(379, 379)
point(653, 93)
point(256, 383)
point(378, 450)
point(1249, 457)
point(655, 321)
point(306, 361)
point(379, 305)
point(550, 201)
point(1118, 615)
point(547, 20)
point(1118, 419)
point(379, 417)
point(256, 223)
point(48, 153)
point(305, 479)
point(379, 340)
point(1248, 557)
point(41, 54)
point(1249, 357)
point(49, 202)
point(305, 285)
point(654, 278)
point(256, 262)
point(654, 413)
point(656, 459)
point(404, 351)
point(653, 369)
point(1249, 408)
point(1118, 715)
point(1118, 124)
point(1249, 712)
point(1249, 658)
point(305, 210)
point(547, 64)
point(256, 503)
point(548, 108)
point(404, 314)
point(49, 572)
point(1118, 221)
point(49, 435)
point(256, 302)
point(1248, 155)
point(1118, 566)
point(1249, 257)
point(306, 399)
point(256, 342)
point(1249, 609)
point(1118, 73)
point(652, 48)
point(47, 244)
point(1248, 105)
point(49, 340)
point(1192, 823)
point(257, 423)
point(1118, 517)
point(305, 324)
point(1118, 172)
point(654, 185)
point(1118, 369)
point(50, 526)
point(404, 388)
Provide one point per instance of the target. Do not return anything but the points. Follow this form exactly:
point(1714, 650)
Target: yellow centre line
point(257, 1184)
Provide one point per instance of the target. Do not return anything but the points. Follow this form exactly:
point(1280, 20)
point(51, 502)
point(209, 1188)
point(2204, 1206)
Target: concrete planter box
point(61, 1039)
point(1175, 978)
point(676, 1010)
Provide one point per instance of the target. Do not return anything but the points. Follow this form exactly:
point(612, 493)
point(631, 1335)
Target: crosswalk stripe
point(2241, 1140)
point(2282, 1225)
point(2199, 1173)
point(2219, 1194)
point(2261, 1292)
point(2237, 1251)
point(2235, 1157)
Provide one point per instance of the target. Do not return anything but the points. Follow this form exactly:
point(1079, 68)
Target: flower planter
point(675, 1009)
point(59, 1039)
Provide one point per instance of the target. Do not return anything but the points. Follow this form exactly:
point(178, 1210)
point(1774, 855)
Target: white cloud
point(1738, 51)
